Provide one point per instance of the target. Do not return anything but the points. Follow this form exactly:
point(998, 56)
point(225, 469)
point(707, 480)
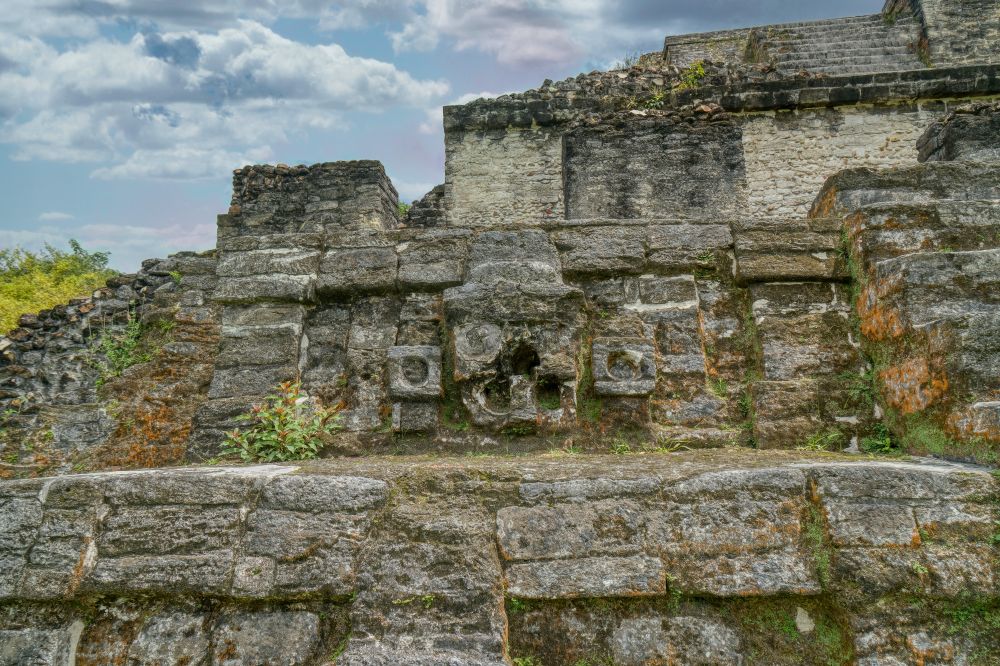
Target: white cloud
point(186, 104)
point(55, 216)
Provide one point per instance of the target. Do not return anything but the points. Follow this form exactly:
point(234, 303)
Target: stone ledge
point(424, 548)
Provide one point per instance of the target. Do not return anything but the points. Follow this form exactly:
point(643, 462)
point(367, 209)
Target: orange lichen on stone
point(878, 320)
point(826, 205)
point(969, 423)
point(913, 386)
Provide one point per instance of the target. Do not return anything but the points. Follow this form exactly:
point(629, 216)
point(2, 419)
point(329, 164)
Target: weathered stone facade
point(798, 249)
point(413, 561)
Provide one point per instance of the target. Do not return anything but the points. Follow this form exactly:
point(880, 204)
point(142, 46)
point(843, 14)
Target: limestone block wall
point(638, 167)
point(501, 176)
point(459, 561)
point(961, 31)
point(790, 153)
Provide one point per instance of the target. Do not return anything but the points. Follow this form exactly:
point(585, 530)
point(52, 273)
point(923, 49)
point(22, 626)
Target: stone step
point(848, 21)
point(861, 60)
point(850, 189)
point(856, 69)
point(858, 36)
point(885, 230)
point(843, 49)
point(877, 27)
point(459, 561)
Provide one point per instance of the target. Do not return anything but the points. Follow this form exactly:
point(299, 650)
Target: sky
point(121, 120)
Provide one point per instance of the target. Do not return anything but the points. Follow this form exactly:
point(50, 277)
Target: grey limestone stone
point(281, 638)
point(173, 638)
point(587, 577)
point(624, 366)
point(415, 372)
point(690, 640)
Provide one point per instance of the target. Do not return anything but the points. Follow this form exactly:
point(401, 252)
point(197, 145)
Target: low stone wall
point(452, 561)
point(60, 404)
point(718, 46)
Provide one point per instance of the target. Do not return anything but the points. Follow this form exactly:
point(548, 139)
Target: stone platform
point(705, 557)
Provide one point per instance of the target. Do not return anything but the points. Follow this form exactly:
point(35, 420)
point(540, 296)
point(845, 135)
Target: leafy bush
point(286, 427)
point(33, 281)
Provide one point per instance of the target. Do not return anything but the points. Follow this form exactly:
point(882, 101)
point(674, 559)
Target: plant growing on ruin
point(879, 441)
point(691, 76)
point(287, 426)
point(122, 350)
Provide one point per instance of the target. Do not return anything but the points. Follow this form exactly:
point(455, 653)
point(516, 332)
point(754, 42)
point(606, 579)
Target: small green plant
point(719, 387)
point(825, 440)
point(176, 277)
point(919, 569)
point(516, 605)
point(628, 61)
point(814, 536)
point(656, 101)
point(428, 600)
point(691, 76)
point(879, 441)
point(525, 661)
point(620, 447)
point(861, 387)
point(403, 208)
point(340, 649)
point(285, 427)
point(122, 350)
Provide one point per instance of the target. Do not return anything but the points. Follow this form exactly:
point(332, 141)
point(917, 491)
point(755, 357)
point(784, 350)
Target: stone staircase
point(856, 44)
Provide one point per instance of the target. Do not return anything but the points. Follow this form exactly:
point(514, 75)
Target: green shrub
point(33, 281)
point(285, 427)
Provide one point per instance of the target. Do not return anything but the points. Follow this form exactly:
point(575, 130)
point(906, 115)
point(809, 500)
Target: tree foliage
point(33, 281)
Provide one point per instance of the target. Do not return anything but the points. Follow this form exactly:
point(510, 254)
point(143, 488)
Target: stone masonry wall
point(961, 31)
point(790, 153)
point(458, 561)
point(62, 409)
point(636, 167)
point(495, 176)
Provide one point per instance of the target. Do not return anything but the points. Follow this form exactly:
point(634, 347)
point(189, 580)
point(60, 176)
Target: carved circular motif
point(415, 370)
point(624, 366)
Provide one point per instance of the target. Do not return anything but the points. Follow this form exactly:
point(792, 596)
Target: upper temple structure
point(740, 267)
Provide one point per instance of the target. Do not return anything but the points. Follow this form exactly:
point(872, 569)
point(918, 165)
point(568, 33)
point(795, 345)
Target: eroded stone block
point(587, 577)
point(624, 366)
point(415, 372)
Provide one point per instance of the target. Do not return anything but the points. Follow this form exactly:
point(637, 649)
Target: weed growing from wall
point(287, 426)
point(122, 350)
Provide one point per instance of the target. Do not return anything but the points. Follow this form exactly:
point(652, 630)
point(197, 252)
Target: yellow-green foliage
point(31, 281)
